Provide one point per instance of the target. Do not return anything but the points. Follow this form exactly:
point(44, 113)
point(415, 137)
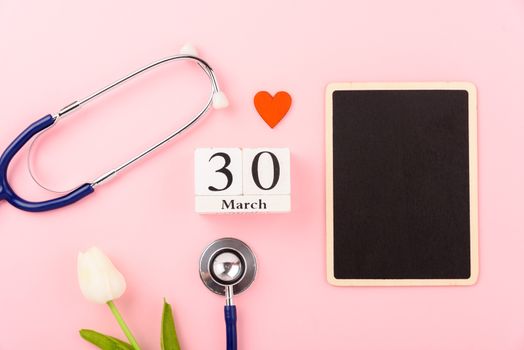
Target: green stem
point(123, 325)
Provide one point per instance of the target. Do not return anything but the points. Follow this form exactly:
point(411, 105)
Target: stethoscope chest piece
point(228, 267)
point(227, 262)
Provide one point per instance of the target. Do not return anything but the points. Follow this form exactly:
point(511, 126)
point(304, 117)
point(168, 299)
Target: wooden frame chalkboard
point(401, 184)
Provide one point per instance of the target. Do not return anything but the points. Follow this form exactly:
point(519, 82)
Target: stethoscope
point(216, 99)
point(228, 267)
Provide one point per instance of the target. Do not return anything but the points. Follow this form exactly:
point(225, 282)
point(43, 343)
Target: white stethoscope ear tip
point(188, 49)
point(220, 100)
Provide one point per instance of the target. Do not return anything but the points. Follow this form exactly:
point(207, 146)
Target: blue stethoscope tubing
point(230, 315)
point(216, 99)
point(8, 194)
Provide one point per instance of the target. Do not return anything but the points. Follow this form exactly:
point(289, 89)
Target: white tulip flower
point(99, 279)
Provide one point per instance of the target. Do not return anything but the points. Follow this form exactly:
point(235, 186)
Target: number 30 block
point(231, 180)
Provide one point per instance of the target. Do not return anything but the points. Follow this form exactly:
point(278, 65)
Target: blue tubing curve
point(230, 313)
point(7, 193)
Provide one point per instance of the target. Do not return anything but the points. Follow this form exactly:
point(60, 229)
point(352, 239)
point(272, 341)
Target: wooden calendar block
point(218, 171)
point(231, 180)
point(266, 171)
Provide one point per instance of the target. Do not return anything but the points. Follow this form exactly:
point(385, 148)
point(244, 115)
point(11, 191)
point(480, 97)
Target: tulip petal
point(98, 278)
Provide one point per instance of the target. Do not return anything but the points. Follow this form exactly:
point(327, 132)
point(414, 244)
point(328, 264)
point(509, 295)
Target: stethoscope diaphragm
point(227, 261)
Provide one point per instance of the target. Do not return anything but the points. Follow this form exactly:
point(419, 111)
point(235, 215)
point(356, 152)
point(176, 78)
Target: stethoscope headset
point(217, 100)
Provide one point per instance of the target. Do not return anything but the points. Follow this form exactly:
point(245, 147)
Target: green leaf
point(104, 342)
point(168, 338)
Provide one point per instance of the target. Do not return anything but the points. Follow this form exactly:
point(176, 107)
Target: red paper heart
point(272, 108)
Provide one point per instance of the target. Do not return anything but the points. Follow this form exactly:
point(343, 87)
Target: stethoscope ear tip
point(220, 100)
point(188, 49)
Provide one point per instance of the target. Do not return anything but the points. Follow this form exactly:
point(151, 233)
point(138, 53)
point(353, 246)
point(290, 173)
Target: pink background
point(53, 52)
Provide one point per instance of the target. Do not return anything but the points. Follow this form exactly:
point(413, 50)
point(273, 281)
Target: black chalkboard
point(401, 184)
